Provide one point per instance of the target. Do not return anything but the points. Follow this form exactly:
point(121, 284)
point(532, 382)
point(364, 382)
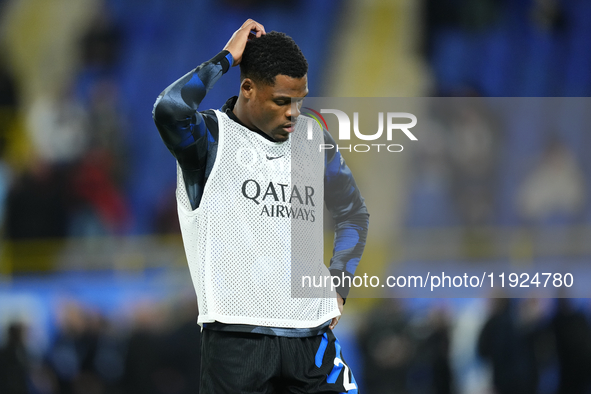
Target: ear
point(247, 88)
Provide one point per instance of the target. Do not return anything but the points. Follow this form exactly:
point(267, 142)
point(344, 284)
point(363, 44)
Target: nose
point(293, 111)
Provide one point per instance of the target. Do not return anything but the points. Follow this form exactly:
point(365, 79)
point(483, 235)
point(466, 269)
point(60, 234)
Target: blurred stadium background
point(95, 296)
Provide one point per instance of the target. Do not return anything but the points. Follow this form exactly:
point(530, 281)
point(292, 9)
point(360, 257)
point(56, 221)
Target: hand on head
point(237, 43)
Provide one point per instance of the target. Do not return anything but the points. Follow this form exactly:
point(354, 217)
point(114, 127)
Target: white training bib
point(258, 230)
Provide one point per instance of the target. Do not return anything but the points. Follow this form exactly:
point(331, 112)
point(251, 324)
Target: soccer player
point(240, 206)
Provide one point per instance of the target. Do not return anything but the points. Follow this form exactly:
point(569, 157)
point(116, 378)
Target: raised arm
point(176, 109)
point(187, 134)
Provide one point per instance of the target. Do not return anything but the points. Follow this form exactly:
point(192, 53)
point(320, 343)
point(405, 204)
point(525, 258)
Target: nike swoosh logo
point(273, 158)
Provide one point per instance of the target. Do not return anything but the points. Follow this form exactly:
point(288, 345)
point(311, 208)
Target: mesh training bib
point(258, 231)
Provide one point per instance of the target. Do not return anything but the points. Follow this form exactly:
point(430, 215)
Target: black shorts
point(236, 362)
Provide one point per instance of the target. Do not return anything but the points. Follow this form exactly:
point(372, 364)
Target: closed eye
point(298, 101)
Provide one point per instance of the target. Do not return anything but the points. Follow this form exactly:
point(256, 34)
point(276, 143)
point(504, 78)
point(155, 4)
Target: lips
point(288, 127)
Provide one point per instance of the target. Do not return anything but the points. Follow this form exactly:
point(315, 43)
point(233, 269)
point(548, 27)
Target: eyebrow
point(288, 98)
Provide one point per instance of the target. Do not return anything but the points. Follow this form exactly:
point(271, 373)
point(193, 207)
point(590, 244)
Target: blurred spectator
point(101, 43)
point(14, 362)
point(43, 380)
point(510, 340)
point(430, 369)
point(437, 350)
point(100, 53)
point(5, 180)
point(473, 146)
point(456, 173)
point(86, 356)
point(159, 354)
point(84, 147)
point(163, 353)
point(472, 15)
point(183, 346)
point(8, 115)
point(101, 357)
point(479, 14)
point(58, 128)
point(554, 192)
point(167, 221)
point(143, 350)
point(107, 125)
point(572, 334)
point(69, 347)
point(430, 201)
point(99, 207)
point(77, 136)
point(8, 92)
point(98, 180)
point(404, 353)
point(50, 201)
point(387, 349)
point(37, 203)
point(548, 15)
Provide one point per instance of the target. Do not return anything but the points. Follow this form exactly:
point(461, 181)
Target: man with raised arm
point(250, 207)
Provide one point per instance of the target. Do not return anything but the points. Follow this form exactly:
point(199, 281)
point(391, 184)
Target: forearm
point(349, 244)
point(349, 214)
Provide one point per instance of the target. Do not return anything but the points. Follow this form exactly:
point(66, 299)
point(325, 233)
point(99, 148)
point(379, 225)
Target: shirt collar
point(228, 108)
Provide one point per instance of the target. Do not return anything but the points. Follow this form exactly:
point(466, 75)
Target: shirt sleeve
point(350, 215)
point(183, 128)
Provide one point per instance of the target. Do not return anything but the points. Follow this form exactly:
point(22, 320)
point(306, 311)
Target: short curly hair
point(272, 54)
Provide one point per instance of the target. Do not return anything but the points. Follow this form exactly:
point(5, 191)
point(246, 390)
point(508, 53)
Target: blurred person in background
point(37, 203)
point(548, 15)
point(182, 346)
point(72, 347)
point(436, 345)
point(87, 355)
point(554, 191)
point(8, 115)
point(163, 349)
point(515, 341)
point(72, 182)
point(157, 352)
point(98, 179)
point(14, 362)
point(40, 196)
point(472, 15)
point(473, 148)
point(144, 349)
point(387, 347)
point(404, 352)
point(99, 205)
point(572, 335)
point(58, 128)
point(100, 51)
point(166, 221)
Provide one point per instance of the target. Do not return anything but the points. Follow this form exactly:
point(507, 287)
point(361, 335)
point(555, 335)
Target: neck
point(241, 113)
